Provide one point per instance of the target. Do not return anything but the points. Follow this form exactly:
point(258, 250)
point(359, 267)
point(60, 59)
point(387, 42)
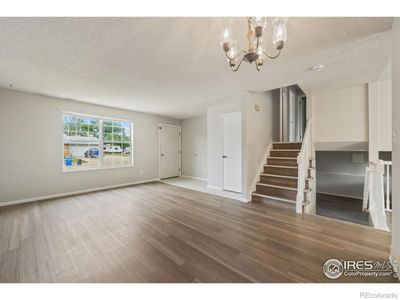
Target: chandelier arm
point(272, 56)
point(238, 66)
point(232, 58)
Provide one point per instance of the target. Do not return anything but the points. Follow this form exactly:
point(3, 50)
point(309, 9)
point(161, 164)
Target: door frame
point(159, 147)
point(222, 150)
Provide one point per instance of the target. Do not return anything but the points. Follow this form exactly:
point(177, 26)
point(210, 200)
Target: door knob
point(224, 156)
point(162, 154)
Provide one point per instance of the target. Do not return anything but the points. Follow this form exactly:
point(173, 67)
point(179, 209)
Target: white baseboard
point(47, 197)
point(192, 177)
point(339, 195)
point(214, 187)
point(244, 199)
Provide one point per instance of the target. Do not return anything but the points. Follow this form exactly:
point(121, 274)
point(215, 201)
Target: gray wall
point(396, 142)
point(194, 147)
point(337, 173)
point(31, 154)
point(260, 128)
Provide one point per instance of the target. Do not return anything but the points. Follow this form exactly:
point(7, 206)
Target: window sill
point(96, 169)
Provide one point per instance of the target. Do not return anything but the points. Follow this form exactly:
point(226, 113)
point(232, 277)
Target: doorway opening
point(293, 114)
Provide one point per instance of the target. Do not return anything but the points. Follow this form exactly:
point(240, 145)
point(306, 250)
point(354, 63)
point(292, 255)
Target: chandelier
point(255, 52)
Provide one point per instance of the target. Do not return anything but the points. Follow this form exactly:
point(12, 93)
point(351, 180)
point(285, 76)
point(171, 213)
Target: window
point(93, 143)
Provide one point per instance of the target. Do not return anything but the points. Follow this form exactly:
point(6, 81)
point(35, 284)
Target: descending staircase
point(279, 179)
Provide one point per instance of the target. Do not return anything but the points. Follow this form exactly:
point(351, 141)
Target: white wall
point(194, 147)
point(260, 128)
point(340, 119)
point(385, 115)
point(32, 153)
point(380, 114)
point(396, 140)
point(214, 138)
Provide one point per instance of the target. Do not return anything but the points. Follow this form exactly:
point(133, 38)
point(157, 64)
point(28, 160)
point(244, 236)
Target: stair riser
point(276, 192)
point(284, 153)
point(288, 182)
point(282, 162)
point(280, 171)
point(287, 146)
point(284, 205)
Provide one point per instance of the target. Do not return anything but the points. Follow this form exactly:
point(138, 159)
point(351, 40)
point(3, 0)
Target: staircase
point(279, 179)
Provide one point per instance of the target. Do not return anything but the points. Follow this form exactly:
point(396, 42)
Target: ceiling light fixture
point(255, 52)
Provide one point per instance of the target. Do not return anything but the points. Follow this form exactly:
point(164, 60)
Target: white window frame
point(100, 142)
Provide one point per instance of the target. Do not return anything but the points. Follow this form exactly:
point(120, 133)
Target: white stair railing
point(374, 195)
point(303, 161)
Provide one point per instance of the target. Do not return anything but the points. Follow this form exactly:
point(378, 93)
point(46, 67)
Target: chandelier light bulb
point(233, 50)
point(227, 36)
point(279, 31)
point(260, 22)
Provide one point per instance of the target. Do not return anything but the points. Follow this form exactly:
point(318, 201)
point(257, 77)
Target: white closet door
point(232, 151)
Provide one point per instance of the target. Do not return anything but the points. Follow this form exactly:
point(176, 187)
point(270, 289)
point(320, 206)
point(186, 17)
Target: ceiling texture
point(175, 66)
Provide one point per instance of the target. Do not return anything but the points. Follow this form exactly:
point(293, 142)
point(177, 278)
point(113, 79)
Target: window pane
point(108, 155)
point(81, 156)
point(107, 129)
point(116, 154)
point(84, 152)
point(117, 137)
point(107, 137)
point(93, 128)
point(81, 128)
point(116, 129)
point(126, 131)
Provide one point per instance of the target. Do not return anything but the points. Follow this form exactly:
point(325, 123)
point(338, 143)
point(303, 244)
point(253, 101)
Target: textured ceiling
point(175, 66)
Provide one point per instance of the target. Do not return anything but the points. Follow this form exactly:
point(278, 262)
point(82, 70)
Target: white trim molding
point(192, 177)
point(214, 187)
point(60, 195)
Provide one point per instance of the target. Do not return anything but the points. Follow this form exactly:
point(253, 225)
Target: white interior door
point(232, 151)
point(170, 151)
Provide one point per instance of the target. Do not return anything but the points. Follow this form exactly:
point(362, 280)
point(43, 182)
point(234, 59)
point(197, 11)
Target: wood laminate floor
point(161, 233)
point(342, 208)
